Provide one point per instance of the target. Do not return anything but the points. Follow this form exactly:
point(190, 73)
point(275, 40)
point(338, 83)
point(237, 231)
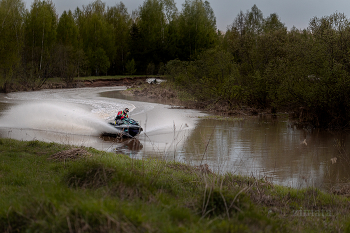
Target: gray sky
point(291, 12)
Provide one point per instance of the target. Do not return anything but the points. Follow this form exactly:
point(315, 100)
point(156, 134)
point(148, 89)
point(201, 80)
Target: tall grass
point(47, 187)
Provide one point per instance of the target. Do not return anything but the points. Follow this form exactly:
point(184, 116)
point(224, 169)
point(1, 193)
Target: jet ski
point(127, 127)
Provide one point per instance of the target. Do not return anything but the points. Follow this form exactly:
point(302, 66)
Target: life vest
point(121, 115)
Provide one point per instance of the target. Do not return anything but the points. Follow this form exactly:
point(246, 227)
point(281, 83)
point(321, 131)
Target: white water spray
point(55, 117)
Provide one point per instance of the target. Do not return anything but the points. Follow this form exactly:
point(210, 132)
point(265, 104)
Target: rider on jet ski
point(121, 116)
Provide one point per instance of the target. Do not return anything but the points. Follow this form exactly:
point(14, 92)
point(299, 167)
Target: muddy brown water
point(262, 146)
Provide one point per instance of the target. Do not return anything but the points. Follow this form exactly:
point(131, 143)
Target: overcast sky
point(291, 12)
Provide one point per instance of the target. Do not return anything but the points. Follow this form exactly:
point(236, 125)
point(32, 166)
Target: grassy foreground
point(47, 187)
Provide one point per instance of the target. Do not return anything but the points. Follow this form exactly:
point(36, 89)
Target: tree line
point(36, 44)
point(259, 64)
point(256, 63)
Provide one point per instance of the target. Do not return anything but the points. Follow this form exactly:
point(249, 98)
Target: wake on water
point(56, 117)
point(79, 116)
point(82, 111)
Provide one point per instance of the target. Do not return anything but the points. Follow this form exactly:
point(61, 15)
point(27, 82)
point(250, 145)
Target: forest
point(257, 63)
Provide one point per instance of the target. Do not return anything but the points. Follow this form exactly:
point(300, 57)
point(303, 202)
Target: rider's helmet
point(126, 110)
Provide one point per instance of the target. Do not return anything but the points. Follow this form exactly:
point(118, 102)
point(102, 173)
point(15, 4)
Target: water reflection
point(265, 146)
point(129, 146)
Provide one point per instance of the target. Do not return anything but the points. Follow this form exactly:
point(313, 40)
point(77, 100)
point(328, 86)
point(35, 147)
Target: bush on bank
point(47, 187)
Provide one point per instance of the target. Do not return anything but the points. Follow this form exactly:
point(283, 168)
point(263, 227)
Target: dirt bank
point(132, 81)
point(57, 84)
point(173, 96)
point(138, 86)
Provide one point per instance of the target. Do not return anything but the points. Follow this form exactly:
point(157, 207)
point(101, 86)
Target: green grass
point(106, 192)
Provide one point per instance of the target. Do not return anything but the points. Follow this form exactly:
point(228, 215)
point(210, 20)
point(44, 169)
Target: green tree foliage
point(150, 69)
point(196, 29)
point(306, 71)
point(175, 68)
point(95, 33)
point(118, 17)
point(99, 62)
point(273, 23)
point(212, 78)
point(67, 52)
point(154, 34)
point(72, 45)
point(40, 39)
point(256, 44)
point(303, 71)
point(171, 38)
point(130, 67)
point(150, 34)
point(254, 21)
point(67, 30)
point(11, 40)
point(135, 42)
point(319, 84)
point(66, 68)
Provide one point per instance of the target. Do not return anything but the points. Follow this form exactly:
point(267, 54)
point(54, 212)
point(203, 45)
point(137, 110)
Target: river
point(262, 146)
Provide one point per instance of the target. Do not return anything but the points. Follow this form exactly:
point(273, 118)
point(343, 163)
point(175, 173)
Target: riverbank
point(93, 81)
point(138, 86)
point(180, 99)
point(48, 187)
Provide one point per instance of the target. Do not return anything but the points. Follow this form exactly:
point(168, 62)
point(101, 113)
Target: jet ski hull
point(126, 130)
